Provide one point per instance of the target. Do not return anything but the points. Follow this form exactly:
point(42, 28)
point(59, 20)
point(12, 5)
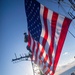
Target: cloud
point(65, 53)
point(66, 69)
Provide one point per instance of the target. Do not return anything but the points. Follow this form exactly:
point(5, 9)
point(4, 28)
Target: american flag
point(46, 35)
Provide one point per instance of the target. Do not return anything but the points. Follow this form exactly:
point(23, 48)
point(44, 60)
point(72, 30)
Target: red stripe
point(63, 33)
point(29, 40)
point(36, 52)
point(44, 67)
point(45, 25)
point(46, 30)
point(47, 71)
point(52, 73)
point(53, 28)
point(40, 62)
point(46, 58)
point(33, 48)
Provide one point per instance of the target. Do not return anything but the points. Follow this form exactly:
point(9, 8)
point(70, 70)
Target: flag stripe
point(46, 30)
point(36, 52)
point(49, 17)
point(57, 36)
point(31, 46)
point(49, 37)
point(38, 55)
point(42, 33)
point(33, 50)
point(44, 22)
point(43, 28)
point(61, 41)
point(53, 27)
point(48, 70)
point(43, 53)
point(29, 40)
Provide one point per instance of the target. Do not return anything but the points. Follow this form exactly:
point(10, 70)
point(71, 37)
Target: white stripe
point(43, 28)
point(60, 21)
point(47, 62)
point(58, 29)
point(43, 33)
point(45, 70)
point(49, 73)
point(38, 54)
point(35, 50)
point(42, 66)
point(58, 32)
point(49, 17)
point(43, 56)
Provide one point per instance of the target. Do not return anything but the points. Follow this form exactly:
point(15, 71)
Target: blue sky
point(12, 26)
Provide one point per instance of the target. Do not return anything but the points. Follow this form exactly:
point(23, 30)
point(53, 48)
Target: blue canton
point(33, 18)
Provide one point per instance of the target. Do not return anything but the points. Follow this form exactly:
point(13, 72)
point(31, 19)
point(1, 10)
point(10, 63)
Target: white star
point(38, 8)
point(33, 7)
point(34, 4)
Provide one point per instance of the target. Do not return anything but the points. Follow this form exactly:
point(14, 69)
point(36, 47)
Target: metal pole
point(32, 67)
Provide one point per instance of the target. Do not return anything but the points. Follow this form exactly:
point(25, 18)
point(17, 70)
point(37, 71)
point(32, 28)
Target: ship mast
point(28, 57)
